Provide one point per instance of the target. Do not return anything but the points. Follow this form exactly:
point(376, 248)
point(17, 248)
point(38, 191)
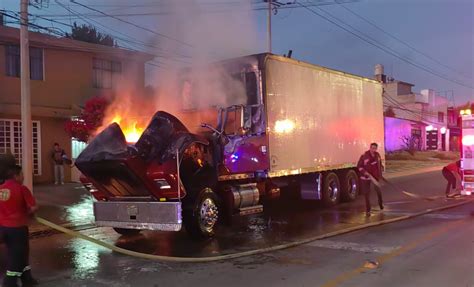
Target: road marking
point(432, 215)
point(398, 202)
point(352, 246)
point(399, 251)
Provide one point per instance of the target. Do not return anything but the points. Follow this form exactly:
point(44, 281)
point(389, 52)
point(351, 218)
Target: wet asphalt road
point(431, 250)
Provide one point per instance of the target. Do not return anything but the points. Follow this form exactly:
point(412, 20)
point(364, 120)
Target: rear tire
point(350, 185)
point(126, 231)
point(331, 192)
point(201, 216)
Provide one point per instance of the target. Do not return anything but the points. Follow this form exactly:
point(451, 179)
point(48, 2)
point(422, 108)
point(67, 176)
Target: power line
point(393, 103)
point(364, 34)
point(61, 33)
point(399, 40)
point(148, 13)
point(154, 4)
point(64, 34)
point(134, 41)
point(385, 50)
point(393, 52)
point(132, 24)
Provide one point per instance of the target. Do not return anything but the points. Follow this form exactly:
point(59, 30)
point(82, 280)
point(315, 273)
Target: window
point(249, 81)
point(10, 141)
point(416, 132)
point(13, 66)
point(36, 64)
point(440, 117)
point(12, 54)
point(106, 73)
point(251, 88)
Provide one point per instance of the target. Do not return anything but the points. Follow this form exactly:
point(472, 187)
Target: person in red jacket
point(452, 173)
point(370, 165)
point(17, 204)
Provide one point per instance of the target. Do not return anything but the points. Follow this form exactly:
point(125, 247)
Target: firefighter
point(370, 168)
point(452, 173)
point(16, 205)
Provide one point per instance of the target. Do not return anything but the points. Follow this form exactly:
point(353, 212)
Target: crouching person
point(452, 173)
point(17, 204)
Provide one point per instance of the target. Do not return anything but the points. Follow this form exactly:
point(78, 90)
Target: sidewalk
point(398, 168)
point(70, 205)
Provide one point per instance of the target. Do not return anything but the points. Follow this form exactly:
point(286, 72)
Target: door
point(432, 140)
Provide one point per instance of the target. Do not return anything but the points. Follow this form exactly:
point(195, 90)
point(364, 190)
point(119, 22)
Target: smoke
point(204, 36)
point(193, 35)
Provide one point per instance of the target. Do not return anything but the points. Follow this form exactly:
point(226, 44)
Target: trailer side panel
point(319, 119)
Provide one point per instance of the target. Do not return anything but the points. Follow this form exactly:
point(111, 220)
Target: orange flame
point(130, 129)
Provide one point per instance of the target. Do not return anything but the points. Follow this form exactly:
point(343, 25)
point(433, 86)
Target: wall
point(395, 129)
point(67, 83)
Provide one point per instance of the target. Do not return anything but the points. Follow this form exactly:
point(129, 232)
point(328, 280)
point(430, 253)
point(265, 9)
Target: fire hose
point(398, 188)
point(124, 251)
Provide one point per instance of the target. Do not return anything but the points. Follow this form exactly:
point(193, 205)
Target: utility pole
point(269, 26)
point(26, 126)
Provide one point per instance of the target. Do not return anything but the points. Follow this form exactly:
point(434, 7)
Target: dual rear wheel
point(341, 186)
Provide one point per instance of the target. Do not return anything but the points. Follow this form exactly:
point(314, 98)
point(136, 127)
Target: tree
point(410, 143)
point(83, 127)
point(88, 33)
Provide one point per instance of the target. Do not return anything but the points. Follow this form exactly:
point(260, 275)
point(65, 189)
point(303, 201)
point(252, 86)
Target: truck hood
point(164, 135)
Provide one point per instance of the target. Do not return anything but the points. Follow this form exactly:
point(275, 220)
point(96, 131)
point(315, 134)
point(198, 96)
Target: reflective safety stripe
point(13, 273)
point(27, 268)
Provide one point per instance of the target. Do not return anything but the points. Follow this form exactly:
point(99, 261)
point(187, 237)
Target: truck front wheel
point(200, 217)
point(331, 190)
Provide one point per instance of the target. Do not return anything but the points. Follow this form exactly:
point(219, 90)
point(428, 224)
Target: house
point(454, 127)
point(64, 73)
point(416, 119)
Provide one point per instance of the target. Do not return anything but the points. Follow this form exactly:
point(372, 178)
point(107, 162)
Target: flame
point(130, 129)
point(132, 133)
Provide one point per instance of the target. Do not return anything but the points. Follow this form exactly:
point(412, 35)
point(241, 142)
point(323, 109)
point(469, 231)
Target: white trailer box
point(319, 119)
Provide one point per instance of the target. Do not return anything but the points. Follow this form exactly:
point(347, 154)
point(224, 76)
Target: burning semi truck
point(300, 125)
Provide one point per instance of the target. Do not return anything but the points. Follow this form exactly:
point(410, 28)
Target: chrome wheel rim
point(333, 190)
point(353, 185)
point(208, 214)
